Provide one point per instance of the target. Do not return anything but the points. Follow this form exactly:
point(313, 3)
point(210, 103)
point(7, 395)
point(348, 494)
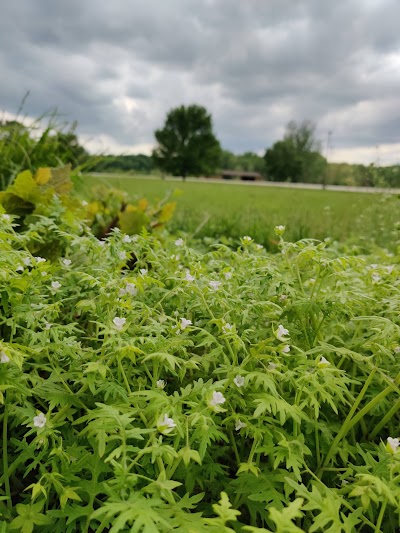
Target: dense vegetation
point(151, 385)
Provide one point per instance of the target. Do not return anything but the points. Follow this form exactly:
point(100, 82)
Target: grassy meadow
point(229, 210)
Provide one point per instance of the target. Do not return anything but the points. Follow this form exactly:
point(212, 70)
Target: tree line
point(187, 146)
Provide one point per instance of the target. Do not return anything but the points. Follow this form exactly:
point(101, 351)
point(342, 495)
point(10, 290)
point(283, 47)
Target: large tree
point(186, 143)
point(297, 156)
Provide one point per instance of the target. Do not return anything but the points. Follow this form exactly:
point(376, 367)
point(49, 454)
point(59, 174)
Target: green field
point(232, 210)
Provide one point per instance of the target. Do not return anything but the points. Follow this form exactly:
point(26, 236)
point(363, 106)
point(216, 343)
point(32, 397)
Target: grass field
point(233, 210)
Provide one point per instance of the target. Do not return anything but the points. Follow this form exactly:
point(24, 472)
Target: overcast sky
point(117, 67)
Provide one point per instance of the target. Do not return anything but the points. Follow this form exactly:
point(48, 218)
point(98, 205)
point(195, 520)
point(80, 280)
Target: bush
point(149, 387)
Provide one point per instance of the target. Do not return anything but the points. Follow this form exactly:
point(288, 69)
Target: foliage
point(187, 145)
point(248, 161)
point(44, 143)
point(124, 163)
point(296, 158)
point(196, 391)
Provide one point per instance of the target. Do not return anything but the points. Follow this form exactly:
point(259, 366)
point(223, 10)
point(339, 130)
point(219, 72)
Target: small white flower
point(240, 425)
point(84, 203)
point(5, 217)
point(143, 271)
point(279, 230)
point(227, 328)
point(160, 383)
point(55, 285)
point(185, 323)
point(283, 297)
point(389, 269)
point(162, 319)
point(281, 333)
point(122, 255)
point(272, 366)
point(47, 325)
point(397, 349)
point(26, 261)
point(4, 357)
point(43, 273)
point(217, 399)
point(259, 246)
point(312, 281)
point(66, 262)
point(126, 239)
point(19, 268)
point(376, 278)
point(393, 444)
point(373, 265)
point(323, 363)
point(246, 239)
point(214, 285)
point(286, 348)
point(188, 276)
point(228, 275)
point(119, 322)
point(239, 381)
point(39, 421)
point(166, 425)
point(130, 288)
point(179, 242)
point(101, 243)
point(40, 259)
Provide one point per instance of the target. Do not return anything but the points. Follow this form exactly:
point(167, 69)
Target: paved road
point(285, 185)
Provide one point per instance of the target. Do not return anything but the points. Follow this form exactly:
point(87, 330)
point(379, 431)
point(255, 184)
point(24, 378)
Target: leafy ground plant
point(232, 390)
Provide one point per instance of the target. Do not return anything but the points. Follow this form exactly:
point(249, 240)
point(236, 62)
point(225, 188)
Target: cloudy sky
point(117, 67)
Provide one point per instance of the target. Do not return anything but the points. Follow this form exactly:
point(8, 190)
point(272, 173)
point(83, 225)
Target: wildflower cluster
point(188, 393)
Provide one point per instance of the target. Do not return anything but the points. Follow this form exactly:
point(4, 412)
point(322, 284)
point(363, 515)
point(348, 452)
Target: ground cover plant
point(147, 386)
point(228, 211)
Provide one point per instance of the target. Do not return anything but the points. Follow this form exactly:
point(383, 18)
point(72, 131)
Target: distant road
point(283, 184)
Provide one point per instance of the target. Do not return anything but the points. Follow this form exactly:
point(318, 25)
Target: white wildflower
point(272, 366)
point(227, 328)
point(279, 230)
point(373, 265)
point(122, 256)
point(143, 271)
point(228, 275)
point(376, 278)
point(55, 285)
point(217, 399)
point(4, 357)
point(84, 203)
point(239, 381)
point(179, 242)
point(5, 217)
point(39, 421)
point(47, 325)
point(286, 348)
point(126, 239)
point(246, 239)
point(26, 261)
point(323, 363)
point(166, 425)
point(397, 349)
point(281, 333)
point(101, 243)
point(130, 288)
point(175, 257)
point(185, 323)
point(40, 259)
point(214, 285)
point(66, 262)
point(283, 297)
point(393, 444)
point(389, 269)
point(188, 276)
point(259, 246)
point(19, 268)
point(43, 273)
point(119, 322)
point(160, 383)
point(240, 425)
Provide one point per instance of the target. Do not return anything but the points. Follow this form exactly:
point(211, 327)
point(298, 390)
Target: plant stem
point(5, 457)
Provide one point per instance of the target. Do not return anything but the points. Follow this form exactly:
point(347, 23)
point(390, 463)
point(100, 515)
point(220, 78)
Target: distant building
point(238, 175)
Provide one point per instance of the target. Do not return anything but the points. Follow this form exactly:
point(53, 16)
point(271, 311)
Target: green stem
point(348, 422)
point(5, 457)
point(380, 517)
point(385, 419)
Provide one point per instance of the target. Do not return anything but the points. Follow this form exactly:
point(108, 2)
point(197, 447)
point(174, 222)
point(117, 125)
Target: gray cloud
point(118, 67)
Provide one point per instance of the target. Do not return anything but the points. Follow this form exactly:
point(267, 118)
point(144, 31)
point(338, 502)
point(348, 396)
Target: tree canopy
point(186, 143)
point(297, 156)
